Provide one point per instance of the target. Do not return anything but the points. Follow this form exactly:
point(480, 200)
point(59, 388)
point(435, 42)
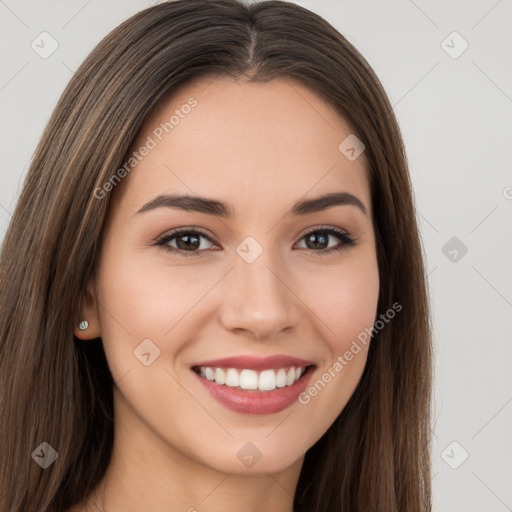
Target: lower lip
point(257, 402)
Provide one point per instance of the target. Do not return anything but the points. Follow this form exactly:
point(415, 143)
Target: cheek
point(142, 298)
point(346, 304)
point(344, 297)
point(149, 296)
point(145, 306)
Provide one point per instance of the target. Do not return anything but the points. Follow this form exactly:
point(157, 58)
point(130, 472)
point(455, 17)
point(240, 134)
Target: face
point(250, 277)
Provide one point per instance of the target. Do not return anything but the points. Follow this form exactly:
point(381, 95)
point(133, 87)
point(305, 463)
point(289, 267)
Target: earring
point(83, 325)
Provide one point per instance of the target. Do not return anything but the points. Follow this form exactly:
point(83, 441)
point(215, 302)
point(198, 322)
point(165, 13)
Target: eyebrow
point(220, 209)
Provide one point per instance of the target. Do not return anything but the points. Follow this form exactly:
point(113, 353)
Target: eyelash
point(345, 238)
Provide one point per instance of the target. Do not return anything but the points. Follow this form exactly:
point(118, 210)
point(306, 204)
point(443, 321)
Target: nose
point(260, 299)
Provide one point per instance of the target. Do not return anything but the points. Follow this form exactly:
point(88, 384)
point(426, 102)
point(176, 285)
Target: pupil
point(316, 238)
point(187, 243)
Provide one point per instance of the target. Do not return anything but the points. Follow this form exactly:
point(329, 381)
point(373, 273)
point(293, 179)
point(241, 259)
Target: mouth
point(249, 379)
point(255, 386)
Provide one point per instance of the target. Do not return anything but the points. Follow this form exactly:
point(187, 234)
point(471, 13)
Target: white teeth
point(248, 379)
point(281, 378)
point(232, 378)
point(266, 380)
point(220, 376)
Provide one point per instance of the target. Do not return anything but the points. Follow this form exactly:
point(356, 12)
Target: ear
point(89, 312)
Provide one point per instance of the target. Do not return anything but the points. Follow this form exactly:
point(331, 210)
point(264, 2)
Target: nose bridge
point(258, 298)
point(259, 278)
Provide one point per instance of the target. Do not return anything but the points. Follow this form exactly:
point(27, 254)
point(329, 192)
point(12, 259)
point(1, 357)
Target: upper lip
point(255, 363)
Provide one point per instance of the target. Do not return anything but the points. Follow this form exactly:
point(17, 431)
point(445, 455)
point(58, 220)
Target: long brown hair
point(54, 389)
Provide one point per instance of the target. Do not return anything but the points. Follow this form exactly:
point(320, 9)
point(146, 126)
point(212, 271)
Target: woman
point(172, 335)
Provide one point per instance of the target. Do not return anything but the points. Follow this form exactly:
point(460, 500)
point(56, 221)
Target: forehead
point(244, 143)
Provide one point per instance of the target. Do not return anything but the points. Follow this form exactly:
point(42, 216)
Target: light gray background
point(455, 115)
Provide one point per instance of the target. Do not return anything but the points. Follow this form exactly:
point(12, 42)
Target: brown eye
point(319, 239)
point(186, 240)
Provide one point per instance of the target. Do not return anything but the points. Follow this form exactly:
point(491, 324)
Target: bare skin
point(260, 148)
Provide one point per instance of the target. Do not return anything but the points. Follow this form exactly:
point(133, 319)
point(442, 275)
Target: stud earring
point(83, 325)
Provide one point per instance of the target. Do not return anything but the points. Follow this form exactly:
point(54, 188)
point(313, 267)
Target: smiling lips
point(277, 381)
point(267, 380)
